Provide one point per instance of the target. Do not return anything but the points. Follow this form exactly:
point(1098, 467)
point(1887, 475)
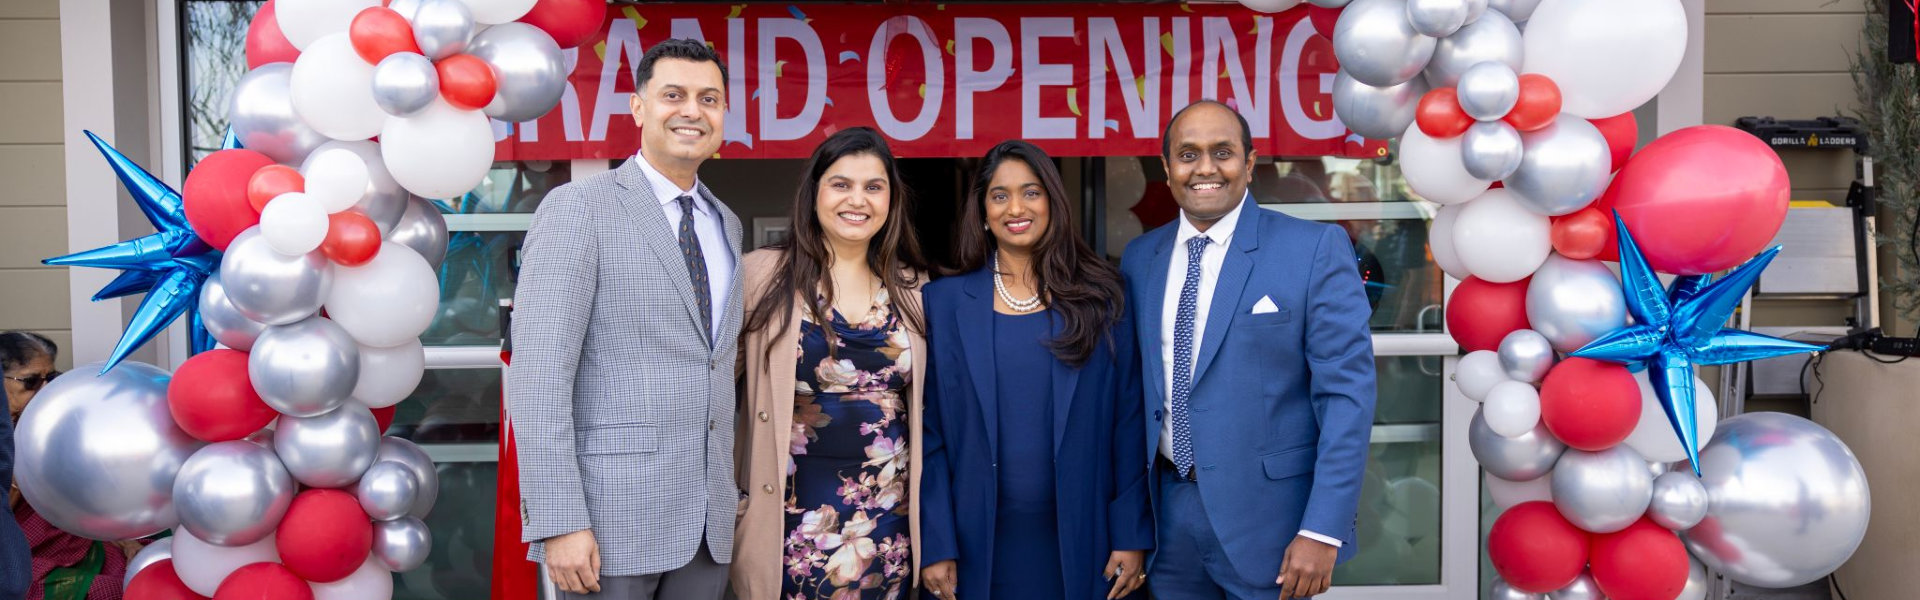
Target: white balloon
point(369, 582)
point(1269, 6)
point(389, 375)
point(337, 178)
point(1434, 170)
point(1499, 239)
point(202, 566)
point(293, 223)
point(495, 12)
point(332, 89)
point(1478, 372)
point(1512, 408)
point(387, 302)
point(442, 152)
point(1506, 494)
point(1654, 437)
point(1607, 57)
point(304, 21)
point(1440, 240)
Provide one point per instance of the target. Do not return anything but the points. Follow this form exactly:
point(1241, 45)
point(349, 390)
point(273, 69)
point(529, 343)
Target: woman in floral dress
point(828, 459)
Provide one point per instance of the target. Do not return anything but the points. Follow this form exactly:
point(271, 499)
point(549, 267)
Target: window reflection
point(451, 406)
point(1399, 514)
point(460, 566)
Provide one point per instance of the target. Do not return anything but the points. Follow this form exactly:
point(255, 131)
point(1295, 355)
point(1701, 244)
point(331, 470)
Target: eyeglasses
point(33, 382)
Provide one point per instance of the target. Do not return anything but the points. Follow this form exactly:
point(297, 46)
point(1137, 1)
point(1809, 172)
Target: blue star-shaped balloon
point(1682, 326)
point(169, 266)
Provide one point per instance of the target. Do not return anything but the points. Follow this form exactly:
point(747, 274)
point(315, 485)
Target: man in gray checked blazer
point(622, 385)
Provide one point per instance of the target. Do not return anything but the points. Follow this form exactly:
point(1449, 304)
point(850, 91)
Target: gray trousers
point(700, 579)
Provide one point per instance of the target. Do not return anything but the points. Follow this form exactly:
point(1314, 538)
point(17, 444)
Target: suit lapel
point(1226, 290)
point(976, 344)
point(736, 295)
point(660, 236)
point(1152, 303)
point(1065, 379)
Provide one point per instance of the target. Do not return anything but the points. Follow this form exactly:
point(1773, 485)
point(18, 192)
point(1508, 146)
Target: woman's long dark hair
point(1079, 284)
point(893, 253)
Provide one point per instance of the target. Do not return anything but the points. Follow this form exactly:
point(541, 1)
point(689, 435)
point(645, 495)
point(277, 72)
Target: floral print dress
point(846, 499)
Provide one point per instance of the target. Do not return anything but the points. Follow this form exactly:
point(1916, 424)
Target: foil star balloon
point(169, 266)
point(1682, 326)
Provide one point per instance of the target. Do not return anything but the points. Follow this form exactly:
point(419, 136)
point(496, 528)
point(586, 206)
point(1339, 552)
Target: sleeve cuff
point(1321, 538)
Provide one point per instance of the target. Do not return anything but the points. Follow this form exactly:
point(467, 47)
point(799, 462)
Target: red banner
point(1079, 79)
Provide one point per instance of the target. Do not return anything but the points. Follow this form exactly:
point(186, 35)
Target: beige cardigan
point(765, 422)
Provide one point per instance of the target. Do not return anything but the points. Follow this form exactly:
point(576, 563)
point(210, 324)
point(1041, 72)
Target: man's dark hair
point(1166, 133)
point(678, 48)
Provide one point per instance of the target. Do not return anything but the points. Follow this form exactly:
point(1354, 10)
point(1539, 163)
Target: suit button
point(712, 425)
point(766, 487)
point(763, 416)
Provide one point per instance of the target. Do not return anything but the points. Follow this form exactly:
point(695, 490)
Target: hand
point(940, 578)
point(1307, 570)
point(573, 562)
point(1127, 570)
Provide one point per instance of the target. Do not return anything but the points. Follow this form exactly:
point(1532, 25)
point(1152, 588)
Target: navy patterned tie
point(696, 264)
point(1183, 356)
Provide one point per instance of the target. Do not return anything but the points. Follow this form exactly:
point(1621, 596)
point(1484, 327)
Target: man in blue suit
point(1253, 335)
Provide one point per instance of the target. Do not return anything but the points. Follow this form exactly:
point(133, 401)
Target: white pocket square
point(1264, 306)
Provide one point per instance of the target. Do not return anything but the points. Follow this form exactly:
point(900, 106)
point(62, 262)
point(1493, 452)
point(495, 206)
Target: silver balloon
point(1373, 112)
point(156, 551)
point(1788, 502)
point(1475, 8)
point(1502, 591)
point(528, 69)
point(223, 320)
point(423, 229)
point(387, 491)
point(442, 27)
point(1491, 150)
point(96, 455)
point(1679, 501)
point(384, 200)
point(1328, 3)
point(1492, 37)
point(1602, 492)
point(1582, 588)
point(1376, 44)
point(1438, 18)
point(405, 83)
point(1526, 356)
point(330, 450)
point(269, 287)
point(306, 369)
point(1489, 90)
point(1697, 582)
point(232, 493)
point(393, 449)
point(262, 116)
point(1567, 165)
point(262, 438)
point(1574, 302)
point(401, 545)
point(1523, 458)
point(1518, 10)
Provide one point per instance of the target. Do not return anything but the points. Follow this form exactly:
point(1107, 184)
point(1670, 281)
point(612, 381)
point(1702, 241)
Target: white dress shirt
point(706, 224)
point(1211, 259)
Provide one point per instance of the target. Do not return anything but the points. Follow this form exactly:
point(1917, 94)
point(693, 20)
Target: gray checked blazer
point(622, 410)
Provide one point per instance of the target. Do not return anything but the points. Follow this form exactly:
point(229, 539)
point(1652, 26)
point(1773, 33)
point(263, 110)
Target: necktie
point(696, 265)
point(1183, 356)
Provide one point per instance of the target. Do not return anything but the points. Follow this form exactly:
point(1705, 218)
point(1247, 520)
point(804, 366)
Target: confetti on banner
point(639, 22)
point(735, 13)
point(1073, 100)
point(795, 11)
point(849, 56)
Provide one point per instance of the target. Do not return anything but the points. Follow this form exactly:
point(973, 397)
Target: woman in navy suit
point(1034, 486)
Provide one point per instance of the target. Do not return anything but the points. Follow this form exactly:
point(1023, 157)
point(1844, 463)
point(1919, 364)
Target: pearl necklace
point(1000, 287)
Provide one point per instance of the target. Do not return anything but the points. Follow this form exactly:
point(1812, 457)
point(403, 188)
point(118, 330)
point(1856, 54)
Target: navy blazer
point(1282, 402)
point(1101, 486)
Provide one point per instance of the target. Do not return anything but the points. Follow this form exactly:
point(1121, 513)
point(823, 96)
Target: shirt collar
point(664, 190)
point(1222, 230)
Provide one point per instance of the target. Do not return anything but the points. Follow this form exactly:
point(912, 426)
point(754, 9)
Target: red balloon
point(265, 42)
point(1623, 133)
point(379, 31)
point(215, 195)
point(270, 182)
point(1702, 199)
point(1642, 562)
point(1480, 314)
point(212, 398)
point(263, 581)
point(325, 535)
point(352, 239)
point(1439, 114)
point(1539, 103)
point(1536, 550)
point(465, 81)
point(1590, 405)
point(1582, 235)
point(570, 22)
point(158, 581)
point(1323, 19)
point(384, 417)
